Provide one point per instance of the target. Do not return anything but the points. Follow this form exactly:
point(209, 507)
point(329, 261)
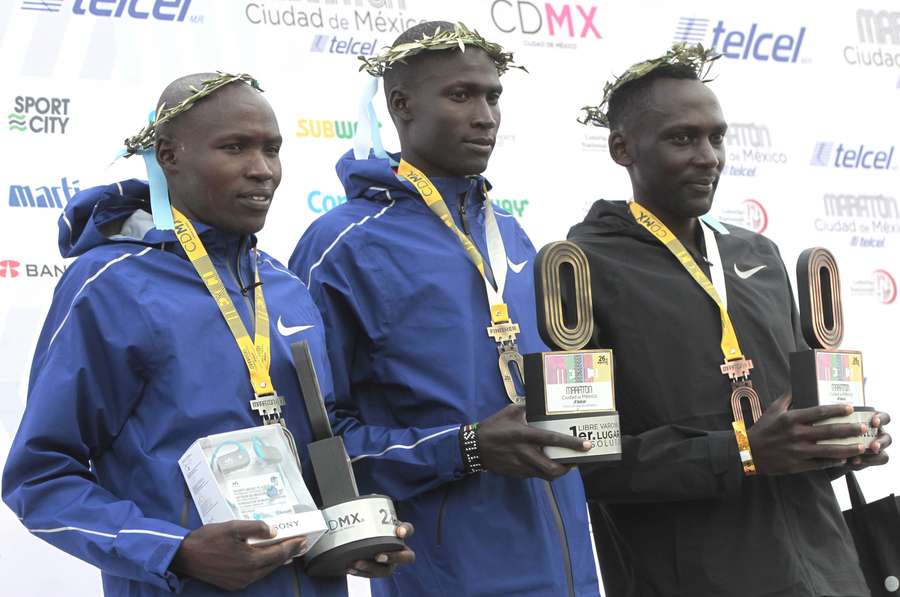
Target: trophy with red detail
point(824, 374)
point(570, 390)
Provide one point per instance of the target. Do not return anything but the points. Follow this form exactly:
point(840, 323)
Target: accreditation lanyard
point(256, 352)
point(502, 329)
point(736, 366)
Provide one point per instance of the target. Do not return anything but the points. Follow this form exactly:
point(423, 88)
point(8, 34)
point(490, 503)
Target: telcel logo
point(161, 10)
point(859, 157)
point(319, 202)
point(53, 196)
point(332, 44)
point(571, 20)
point(755, 43)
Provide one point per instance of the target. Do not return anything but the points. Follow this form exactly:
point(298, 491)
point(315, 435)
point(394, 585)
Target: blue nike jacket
point(133, 364)
point(405, 314)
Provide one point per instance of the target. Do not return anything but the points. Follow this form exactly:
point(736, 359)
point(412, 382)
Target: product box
point(252, 474)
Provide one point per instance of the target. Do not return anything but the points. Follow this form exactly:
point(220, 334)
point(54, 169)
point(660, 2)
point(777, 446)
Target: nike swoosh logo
point(516, 267)
point(290, 330)
point(743, 275)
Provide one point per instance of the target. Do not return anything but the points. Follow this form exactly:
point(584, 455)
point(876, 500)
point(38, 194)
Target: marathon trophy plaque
point(359, 528)
point(826, 375)
point(570, 390)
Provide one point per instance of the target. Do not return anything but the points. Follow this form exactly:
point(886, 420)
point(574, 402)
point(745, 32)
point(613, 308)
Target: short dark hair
point(399, 72)
point(634, 96)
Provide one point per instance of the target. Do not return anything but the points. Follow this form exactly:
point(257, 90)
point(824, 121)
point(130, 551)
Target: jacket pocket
point(439, 529)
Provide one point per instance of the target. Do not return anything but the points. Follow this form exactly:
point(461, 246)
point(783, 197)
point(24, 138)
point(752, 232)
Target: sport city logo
point(865, 220)
point(749, 146)
point(332, 44)
point(881, 285)
point(11, 268)
point(159, 10)
point(852, 157)
point(42, 115)
point(556, 20)
point(55, 196)
point(372, 16)
point(875, 28)
point(754, 43)
point(750, 214)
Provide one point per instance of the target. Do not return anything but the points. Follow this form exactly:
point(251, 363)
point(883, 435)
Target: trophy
point(825, 375)
point(359, 528)
point(570, 390)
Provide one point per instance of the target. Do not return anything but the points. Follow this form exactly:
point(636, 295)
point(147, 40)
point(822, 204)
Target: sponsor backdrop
point(811, 97)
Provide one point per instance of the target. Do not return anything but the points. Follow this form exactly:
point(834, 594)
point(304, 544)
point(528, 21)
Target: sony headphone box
point(252, 474)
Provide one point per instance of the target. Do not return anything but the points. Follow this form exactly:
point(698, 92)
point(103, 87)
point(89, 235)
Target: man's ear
point(166, 154)
point(619, 150)
point(398, 103)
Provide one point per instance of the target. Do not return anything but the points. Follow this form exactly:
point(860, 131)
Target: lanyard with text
point(736, 366)
point(502, 329)
point(256, 352)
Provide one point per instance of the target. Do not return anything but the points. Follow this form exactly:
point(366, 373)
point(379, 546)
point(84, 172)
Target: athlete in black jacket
point(678, 516)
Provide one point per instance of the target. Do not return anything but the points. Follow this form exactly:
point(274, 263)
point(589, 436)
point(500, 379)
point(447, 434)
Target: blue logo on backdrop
point(318, 202)
point(754, 43)
point(56, 196)
point(160, 10)
point(332, 44)
point(852, 157)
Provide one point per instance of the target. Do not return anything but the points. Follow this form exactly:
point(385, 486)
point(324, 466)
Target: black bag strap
point(857, 499)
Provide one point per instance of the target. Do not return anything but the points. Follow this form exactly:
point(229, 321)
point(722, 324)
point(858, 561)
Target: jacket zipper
point(563, 540)
point(236, 276)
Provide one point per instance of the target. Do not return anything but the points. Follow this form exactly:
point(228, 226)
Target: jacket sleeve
point(667, 464)
point(87, 374)
point(399, 462)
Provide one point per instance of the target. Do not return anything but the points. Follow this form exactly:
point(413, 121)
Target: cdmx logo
point(851, 157)
point(9, 268)
point(160, 10)
point(43, 115)
point(754, 43)
point(569, 20)
point(885, 286)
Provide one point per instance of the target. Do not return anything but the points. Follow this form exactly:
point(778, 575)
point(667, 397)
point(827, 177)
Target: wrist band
point(468, 442)
point(743, 442)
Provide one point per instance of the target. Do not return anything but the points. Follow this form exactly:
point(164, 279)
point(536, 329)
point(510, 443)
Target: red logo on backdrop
point(757, 218)
point(885, 286)
point(9, 268)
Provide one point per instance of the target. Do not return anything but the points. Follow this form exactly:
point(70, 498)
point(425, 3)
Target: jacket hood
point(120, 212)
point(375, 178)
point(609, 218)
point(91, 210)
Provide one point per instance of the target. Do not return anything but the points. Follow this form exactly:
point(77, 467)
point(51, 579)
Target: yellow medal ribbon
point(502, 330)
point(257, 352)
point(731, 349)
point(435, 202)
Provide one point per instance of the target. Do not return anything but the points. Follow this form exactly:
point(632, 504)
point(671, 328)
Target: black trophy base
point(337, 561)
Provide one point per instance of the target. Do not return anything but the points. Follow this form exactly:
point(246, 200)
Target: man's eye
point(717, 139)
point(232, 147)
point(493, 98)
point(459, 95)
point(273, 149)
point(681, 139)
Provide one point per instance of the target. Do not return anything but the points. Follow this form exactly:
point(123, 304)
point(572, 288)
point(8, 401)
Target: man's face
point(221, 160)
point(677, 148)
point(453, 113)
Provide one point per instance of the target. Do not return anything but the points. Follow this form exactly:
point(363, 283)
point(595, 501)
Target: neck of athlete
point(685, 228)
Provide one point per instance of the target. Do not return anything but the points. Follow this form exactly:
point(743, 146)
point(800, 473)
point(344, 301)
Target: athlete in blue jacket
point(405, 312)
point(135, 363)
